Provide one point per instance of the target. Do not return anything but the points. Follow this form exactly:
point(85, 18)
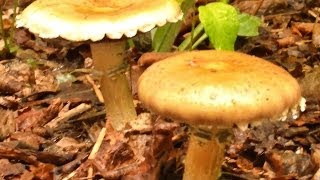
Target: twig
point(95, 88)
point(67, 115)
point(95, 149)
point(98, 143)
point(90, 173)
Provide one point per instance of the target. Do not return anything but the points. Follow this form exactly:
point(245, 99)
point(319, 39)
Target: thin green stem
point(203, 37)
point(192, 26)
point(186, 43)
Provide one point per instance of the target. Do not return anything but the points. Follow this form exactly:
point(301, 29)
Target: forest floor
point(50, 115)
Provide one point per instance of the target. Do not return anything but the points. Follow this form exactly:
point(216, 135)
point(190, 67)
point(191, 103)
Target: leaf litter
point(52, 82)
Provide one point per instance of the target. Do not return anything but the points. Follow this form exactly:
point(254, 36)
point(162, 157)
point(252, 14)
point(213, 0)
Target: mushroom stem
point(108, 58)
point(204, 156)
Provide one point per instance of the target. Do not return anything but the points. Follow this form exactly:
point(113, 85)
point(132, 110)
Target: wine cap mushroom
point(218, 88)
point(80, 20)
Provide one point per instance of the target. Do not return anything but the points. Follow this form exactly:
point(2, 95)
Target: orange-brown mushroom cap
point(217, 88)
point(80, 20)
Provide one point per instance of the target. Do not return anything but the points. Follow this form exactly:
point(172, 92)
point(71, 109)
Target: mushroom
point(213, 90)
point(82, 20)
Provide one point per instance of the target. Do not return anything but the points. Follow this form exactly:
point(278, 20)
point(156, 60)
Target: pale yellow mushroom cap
point(217, 88)
point(80, 20)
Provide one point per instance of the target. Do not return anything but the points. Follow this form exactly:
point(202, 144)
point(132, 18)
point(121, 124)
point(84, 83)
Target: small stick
point(95, 88)
point(92, 155)
point(67, 115)
point(95, 149)
point(98, 143)
point(90, 173)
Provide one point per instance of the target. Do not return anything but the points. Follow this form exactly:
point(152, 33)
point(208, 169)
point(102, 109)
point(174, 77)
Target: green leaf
point(221, 24)
point(249, 25)
point(165, 36)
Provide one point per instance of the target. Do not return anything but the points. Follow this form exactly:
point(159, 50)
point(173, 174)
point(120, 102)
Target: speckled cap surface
point(217, 88)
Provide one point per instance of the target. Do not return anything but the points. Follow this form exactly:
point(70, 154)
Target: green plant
point(221, 23)
point(164, 36)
